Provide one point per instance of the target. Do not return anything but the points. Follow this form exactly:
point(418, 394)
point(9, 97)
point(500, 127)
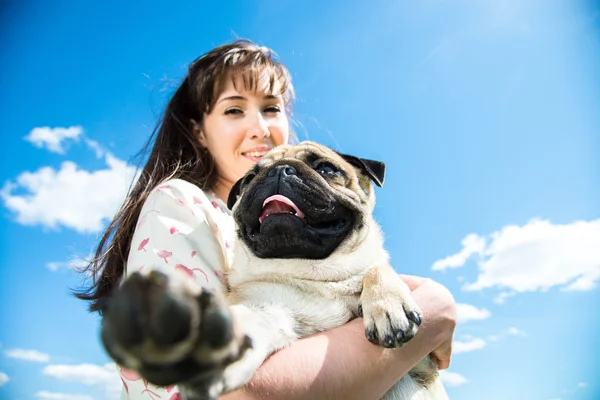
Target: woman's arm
point(342, 364)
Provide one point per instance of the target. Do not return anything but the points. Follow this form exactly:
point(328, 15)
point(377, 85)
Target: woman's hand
point(439, 308)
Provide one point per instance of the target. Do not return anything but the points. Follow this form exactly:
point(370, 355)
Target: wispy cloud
point(459, 347)
point(452, 378)
point(96, 147)
point(472, 244)
point(512, 331)
point(60, 396)
point(53, 138)
point(3, 378)
point(515, 331)
point(437, 49)
point(536, 256)
point(28, 355)
point(76, 263)
point(468, 312)
point(102, 376)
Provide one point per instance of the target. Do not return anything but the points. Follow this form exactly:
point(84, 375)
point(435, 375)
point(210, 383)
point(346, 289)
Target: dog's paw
point(169, 330)
point(390, 323)
point(390, 314)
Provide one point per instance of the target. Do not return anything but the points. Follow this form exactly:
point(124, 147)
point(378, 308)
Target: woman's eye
point(327, 169)
point(233, 111)
point(272, 109)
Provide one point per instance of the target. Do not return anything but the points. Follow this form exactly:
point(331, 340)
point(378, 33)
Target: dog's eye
point(325, 168)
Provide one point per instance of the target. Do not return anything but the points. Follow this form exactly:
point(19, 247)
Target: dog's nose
point(283, 170)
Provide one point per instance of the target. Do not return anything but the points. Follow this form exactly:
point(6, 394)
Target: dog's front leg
point(390, 314)
point(266, 331)
point(269, 329)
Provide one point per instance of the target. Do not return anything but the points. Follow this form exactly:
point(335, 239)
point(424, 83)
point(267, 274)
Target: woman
point(232, 107)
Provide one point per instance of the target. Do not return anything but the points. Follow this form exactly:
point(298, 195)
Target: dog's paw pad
point(150, 311)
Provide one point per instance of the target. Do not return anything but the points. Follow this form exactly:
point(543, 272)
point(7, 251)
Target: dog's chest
point(324, 305)
point(311, 306)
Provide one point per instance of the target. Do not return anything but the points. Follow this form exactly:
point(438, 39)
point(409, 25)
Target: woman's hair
point(177, 153)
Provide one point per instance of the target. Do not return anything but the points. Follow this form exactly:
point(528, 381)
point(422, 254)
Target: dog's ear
point(237, 188)
point(234, 193)
point(374, 169)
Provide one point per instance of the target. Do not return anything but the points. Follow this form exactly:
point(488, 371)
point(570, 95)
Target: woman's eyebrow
point(238, 97)
point(235, 97)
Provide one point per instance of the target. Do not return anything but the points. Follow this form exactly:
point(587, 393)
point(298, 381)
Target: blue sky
point(486, 114)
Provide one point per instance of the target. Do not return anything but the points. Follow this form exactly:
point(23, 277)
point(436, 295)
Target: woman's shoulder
point(179, 186)
point(179, 225)
point(183, 193)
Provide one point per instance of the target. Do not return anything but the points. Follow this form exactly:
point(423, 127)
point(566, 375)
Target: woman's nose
point(259, 127)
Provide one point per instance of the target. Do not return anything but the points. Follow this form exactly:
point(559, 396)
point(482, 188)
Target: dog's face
point(303, 201)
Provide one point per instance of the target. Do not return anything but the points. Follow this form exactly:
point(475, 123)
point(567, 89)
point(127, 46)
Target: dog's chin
point(285, 235)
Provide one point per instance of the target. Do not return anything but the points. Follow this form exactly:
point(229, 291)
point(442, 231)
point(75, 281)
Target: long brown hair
point(176, 151)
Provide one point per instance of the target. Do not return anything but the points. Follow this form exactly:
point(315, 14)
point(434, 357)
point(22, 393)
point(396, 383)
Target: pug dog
point(309, 257)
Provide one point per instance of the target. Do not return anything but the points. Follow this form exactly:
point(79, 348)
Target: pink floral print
point(168, 236)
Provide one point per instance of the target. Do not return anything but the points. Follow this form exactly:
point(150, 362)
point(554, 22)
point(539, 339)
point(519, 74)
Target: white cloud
point(515, 331)
point(3, 378)
point(502, 296)
point(103, 376)
point(52, 138)
point(472, 244)
point(98, 149)
point(69, 197)
point(582, 385)
point(468, 312)
point(536, 256)
point(452, 378)
point(61, 396)
point(29, 355)
point(465, 347)
point(512, 331)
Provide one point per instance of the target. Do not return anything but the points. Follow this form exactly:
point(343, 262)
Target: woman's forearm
point(337, 364)
point(342, 364)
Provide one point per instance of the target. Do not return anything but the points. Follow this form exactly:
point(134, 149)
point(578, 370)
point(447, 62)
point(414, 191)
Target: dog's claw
point(414, 317)
point(372, 336)
point(400, 337)
point(389, 342)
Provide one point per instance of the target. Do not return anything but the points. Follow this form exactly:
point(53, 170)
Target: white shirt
point(180, 226)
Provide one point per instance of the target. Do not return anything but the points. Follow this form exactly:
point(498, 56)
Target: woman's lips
point(256, 154)
point(252, 158)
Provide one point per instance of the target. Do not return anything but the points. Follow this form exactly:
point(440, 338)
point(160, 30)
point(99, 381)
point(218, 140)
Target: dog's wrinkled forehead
point(304, 151)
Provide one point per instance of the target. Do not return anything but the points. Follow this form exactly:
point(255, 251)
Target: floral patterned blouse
point(182, 227)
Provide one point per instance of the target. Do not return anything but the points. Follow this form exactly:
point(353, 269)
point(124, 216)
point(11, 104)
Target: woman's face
point(242, 126)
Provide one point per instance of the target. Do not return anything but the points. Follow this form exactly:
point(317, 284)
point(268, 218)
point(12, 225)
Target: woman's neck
point(221, 190)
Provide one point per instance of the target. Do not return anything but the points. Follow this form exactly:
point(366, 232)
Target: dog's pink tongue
point(279, 204)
